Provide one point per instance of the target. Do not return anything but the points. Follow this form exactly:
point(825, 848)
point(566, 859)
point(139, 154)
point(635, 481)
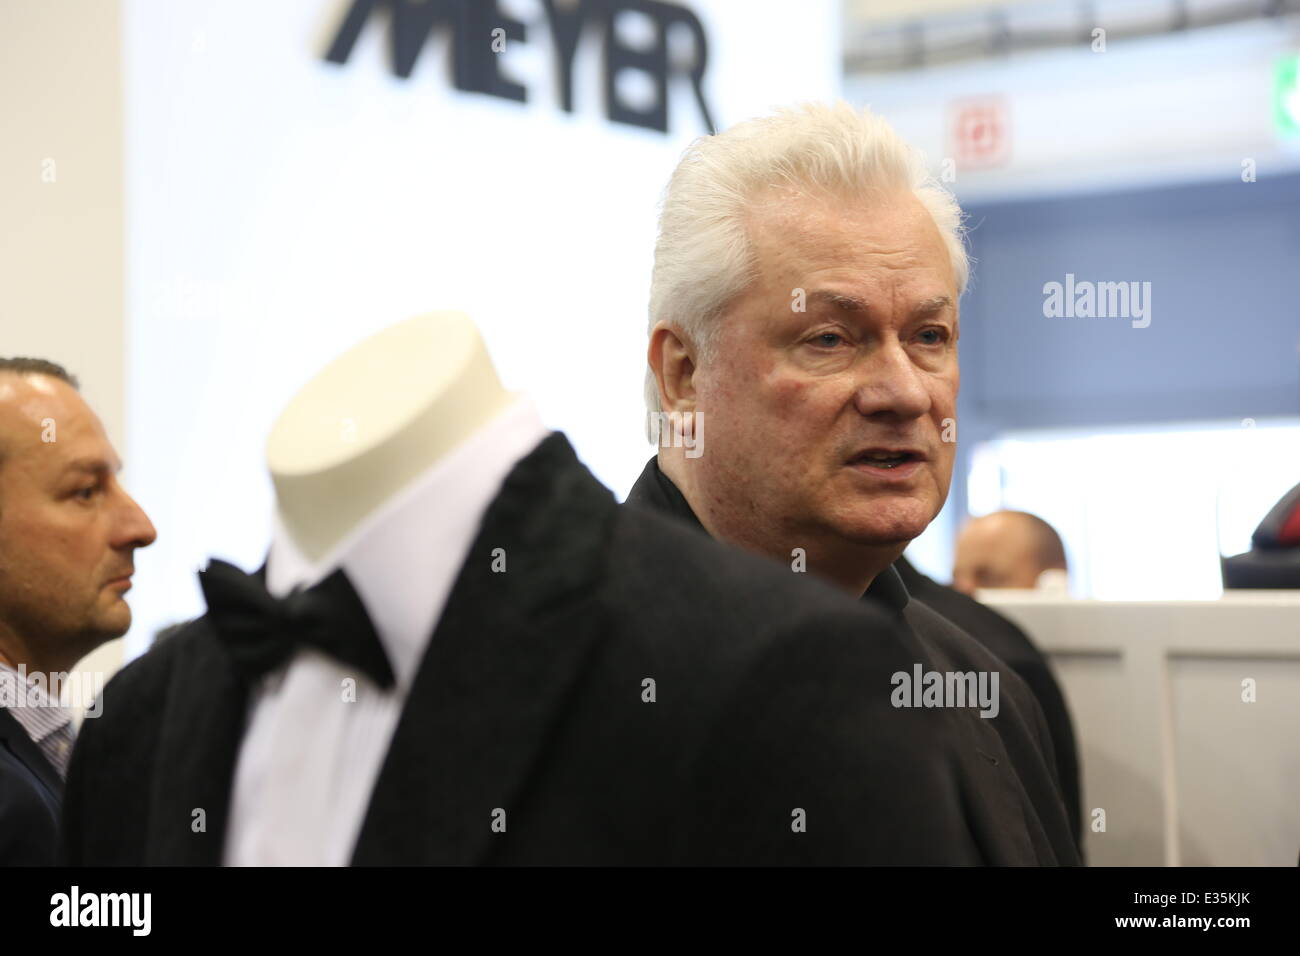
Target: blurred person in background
point(1009, 549)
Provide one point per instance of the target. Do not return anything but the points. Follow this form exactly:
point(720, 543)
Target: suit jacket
point(1010, 788)
point(627, 691)
point(30, 796)
point(1008, 642)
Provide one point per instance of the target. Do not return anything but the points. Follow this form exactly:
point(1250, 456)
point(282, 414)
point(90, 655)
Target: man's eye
point(85, 494)
point(940, 336)
point(828, 340)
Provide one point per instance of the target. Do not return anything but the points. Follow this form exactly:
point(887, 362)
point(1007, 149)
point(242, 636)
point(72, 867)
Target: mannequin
point(374, 419)
point(382, 465)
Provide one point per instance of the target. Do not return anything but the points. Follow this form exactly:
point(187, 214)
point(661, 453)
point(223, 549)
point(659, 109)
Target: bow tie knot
point(261, 631)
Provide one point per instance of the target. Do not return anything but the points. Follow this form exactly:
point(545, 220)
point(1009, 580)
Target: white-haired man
point(804, 305)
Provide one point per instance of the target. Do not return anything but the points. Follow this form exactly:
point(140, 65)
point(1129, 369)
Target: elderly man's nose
point(891, 383)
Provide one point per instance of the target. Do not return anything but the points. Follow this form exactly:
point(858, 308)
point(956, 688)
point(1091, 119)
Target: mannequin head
point(373, 419)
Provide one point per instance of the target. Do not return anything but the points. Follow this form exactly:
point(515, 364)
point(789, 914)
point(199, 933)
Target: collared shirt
point(311, 757)
point(47, 722)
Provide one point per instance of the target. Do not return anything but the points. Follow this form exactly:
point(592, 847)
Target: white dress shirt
point(48, 723)
point(309, 759)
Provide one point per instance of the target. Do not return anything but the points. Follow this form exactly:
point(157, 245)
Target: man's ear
point(672, 359)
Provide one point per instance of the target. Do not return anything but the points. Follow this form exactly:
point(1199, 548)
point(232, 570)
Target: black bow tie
point(261, 631)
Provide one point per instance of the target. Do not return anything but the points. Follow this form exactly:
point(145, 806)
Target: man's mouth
point(886, 458)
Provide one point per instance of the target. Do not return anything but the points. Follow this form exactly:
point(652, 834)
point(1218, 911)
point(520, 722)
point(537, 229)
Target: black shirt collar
point(656, 491)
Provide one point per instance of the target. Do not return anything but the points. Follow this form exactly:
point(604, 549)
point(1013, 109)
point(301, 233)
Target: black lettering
point(681, 16)
point(652, 61)
point(567, 21)
point(412, 22)
point(476, 67)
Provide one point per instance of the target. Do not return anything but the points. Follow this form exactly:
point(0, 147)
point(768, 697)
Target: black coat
point(1011, 644)
point(1011, 792)
point(30, 794)
point(770, 740)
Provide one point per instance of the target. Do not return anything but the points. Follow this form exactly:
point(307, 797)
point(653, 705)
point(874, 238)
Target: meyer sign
point(480, 30)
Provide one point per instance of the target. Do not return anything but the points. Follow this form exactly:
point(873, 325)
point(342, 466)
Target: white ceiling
point(865, 11)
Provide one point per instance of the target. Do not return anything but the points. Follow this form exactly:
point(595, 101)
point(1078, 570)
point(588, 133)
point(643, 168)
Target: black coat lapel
point(202, 726)
point(655, 491)
point(492, 684)
point(14, 738)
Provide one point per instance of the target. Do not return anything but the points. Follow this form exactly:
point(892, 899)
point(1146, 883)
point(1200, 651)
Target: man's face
point(67, 528)
point(800, 404)
point(995, 552)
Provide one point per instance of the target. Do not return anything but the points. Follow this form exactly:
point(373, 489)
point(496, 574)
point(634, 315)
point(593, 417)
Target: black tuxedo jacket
point(1011, 794)
point(30, 794)
point(767, 735)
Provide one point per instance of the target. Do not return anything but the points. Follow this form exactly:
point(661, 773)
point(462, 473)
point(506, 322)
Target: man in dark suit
point(625, 691)
point(1008, 642)
point(1006, 762)
point(67, 534)
point(30, 792)
point(802, 368)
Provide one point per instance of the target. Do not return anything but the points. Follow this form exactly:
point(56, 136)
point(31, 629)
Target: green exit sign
point(1286, 96)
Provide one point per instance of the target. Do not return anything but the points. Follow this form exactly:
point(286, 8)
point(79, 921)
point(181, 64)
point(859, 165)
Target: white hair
point(703, 256)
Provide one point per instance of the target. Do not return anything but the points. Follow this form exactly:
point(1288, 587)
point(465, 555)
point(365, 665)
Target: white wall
point(62, 236)
point(1188, 771)
point(281, 208)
